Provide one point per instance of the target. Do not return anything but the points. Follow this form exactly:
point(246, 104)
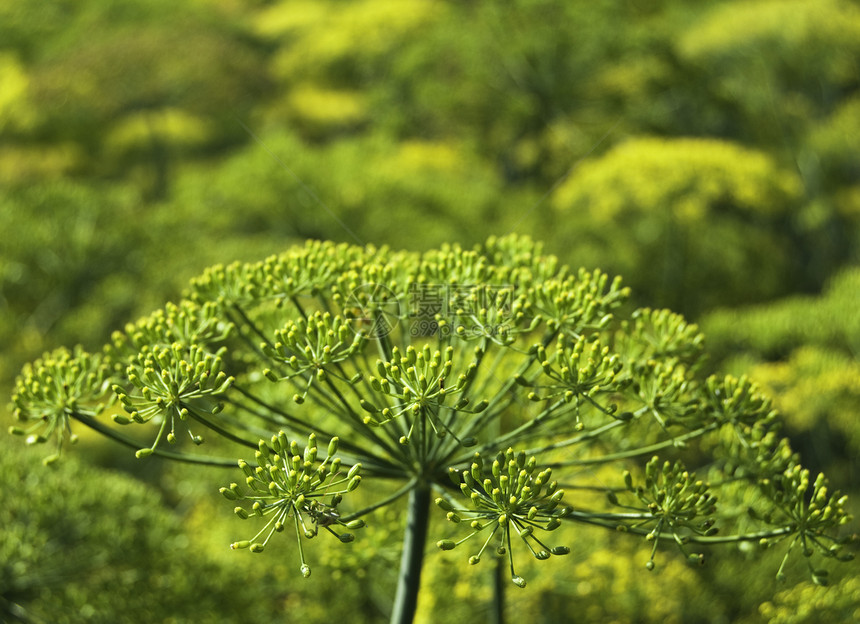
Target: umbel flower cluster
point(493, 380)
point(287, 483)
point(510, 499)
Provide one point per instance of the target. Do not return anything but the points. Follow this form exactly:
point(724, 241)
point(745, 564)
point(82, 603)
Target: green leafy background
point(706, 151)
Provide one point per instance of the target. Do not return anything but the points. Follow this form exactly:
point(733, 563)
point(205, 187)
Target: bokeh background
point(706, 150)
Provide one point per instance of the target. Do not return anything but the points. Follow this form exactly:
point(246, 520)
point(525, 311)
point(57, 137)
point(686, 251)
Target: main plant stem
point(414, 542)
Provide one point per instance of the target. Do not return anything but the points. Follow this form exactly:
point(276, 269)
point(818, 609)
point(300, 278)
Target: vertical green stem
point(414, 542)
point(500, 581)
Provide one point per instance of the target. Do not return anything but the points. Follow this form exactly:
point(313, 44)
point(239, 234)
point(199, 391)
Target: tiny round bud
point(332, 446)
point(446, 544)
point(444, 504)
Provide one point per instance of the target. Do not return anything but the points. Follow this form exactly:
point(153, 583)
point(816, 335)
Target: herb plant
point(486, 385)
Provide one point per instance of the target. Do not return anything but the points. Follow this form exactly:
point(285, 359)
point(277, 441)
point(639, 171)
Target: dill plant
point(480, 382)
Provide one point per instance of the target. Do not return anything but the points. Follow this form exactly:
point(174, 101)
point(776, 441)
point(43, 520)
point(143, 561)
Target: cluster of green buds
point(738, 404)
point(225, 285)
point(810, 516)
point(452, 265)
point(54, 389)
point(676, 504)
point(509, 499)
point(309, 348)
point(666, 391)
point(578, 370)
point(748, 427)
point(492, 313)
point(170, 383)
point(415, 382)
point(652, 334)
point(291, 483)
point(309, 269)
point(575, 304)
point(186, 323)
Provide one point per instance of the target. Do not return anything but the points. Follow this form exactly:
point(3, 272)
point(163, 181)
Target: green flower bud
point(332, 446)
point(628, 480)
point(454, 475)
point(444, 504)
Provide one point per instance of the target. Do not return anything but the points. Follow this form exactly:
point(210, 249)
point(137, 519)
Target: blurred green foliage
point(810, 603)
point(772, 331)
point(67, 557)
point(705, 150)
point(702, 211)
